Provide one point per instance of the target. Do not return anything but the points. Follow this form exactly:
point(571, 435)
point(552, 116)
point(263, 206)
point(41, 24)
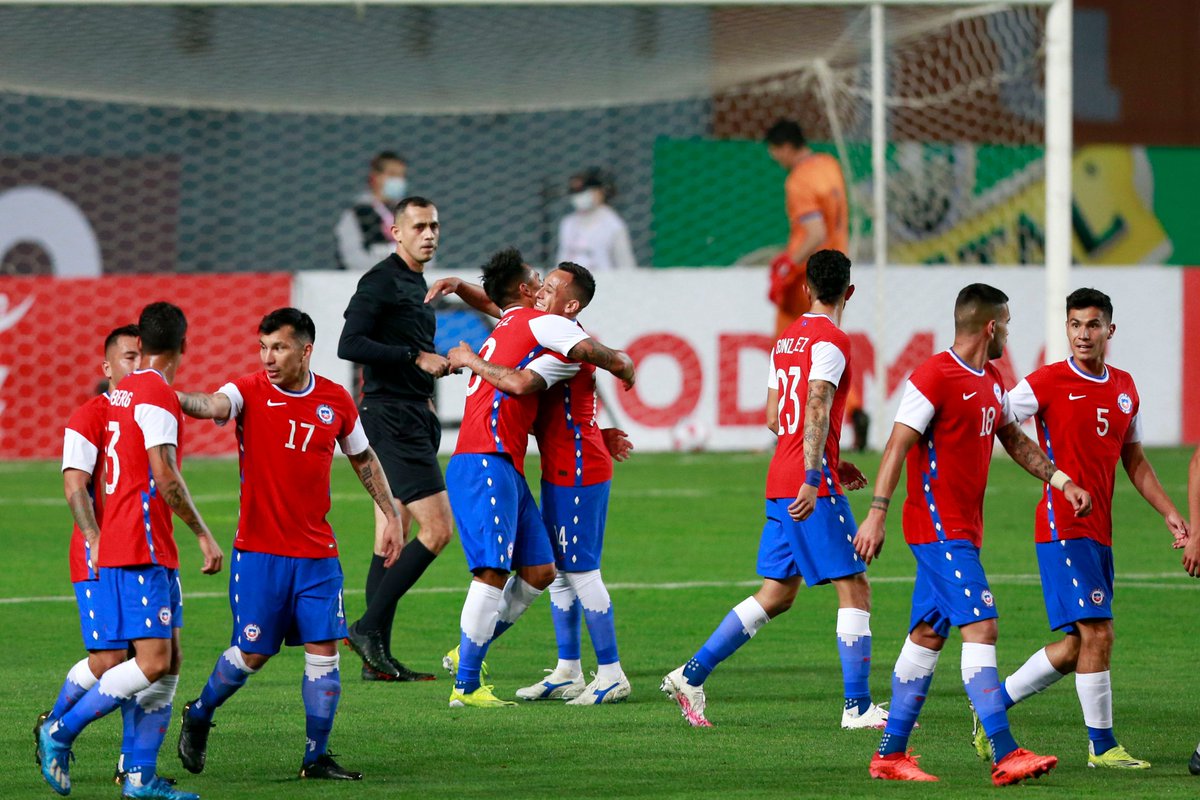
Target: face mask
point(394, 188)
point(584, 201)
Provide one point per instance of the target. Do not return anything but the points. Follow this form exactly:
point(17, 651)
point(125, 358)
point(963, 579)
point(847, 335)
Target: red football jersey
point(82, 442)
point(958, 411)
point(285, 447)
point(1083, 422)
point(572, 447)
point(143, 412)
point(811, 349)
point(495, 422)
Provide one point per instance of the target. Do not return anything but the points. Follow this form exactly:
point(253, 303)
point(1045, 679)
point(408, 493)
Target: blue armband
point(812, 477)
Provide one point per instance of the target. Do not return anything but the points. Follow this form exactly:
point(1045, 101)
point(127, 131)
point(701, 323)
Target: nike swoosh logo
point(1075, 396)
point(281, 403)
point(969, 396)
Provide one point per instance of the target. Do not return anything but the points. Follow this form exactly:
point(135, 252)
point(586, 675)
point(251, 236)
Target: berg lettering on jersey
point(285, 447)
point(83, 441)
point(957, 410)
point(1083, 422)
point(496, 422)
point(571, 444)
point(143, 412)
point(811, 349)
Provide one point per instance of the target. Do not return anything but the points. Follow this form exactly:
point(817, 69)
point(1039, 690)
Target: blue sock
point(910, 685)
point(470, 662)
point(128, 731)
point(1006, 697)
point(501, 627)
point(477, 626)
point(568, 627)
point(602, 629)
point(229, 674)
point(79, 680)
point(119, 684)
point(982, 683)
point(738, 627)
point(854, 651)
point(321, 687)
point(1102, 739)
point(151, 712)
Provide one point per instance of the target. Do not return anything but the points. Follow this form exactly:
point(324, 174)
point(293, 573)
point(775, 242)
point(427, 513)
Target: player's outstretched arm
point(205, 406)
point(470, 293)
point(868, 542)
point(1145, 480)
point(370, 472)
point(1030, 457)
point(1191, 552)
point(816, 431)
point(75, 486)
point(506, 379)
point(617, 362)
point(174, 491)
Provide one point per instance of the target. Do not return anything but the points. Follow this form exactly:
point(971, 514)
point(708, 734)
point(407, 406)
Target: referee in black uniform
point(389, 330)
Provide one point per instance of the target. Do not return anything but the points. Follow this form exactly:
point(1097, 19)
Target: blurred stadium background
point(205, 151)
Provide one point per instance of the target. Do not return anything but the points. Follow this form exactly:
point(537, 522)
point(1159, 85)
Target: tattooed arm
point(75, 486)
point(816, 431)
point(1030, 457)
point(370, 472)
point(205, 406)
point(615, 361)
point(169, 484)
point(506, 379)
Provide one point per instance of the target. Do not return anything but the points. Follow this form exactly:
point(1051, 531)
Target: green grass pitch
point(681, 544)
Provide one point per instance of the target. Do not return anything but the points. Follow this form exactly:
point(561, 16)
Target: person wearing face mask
point(593, 234)
point(363, 231)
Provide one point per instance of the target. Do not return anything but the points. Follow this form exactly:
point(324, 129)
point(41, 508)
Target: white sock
point(158, 694)
point(124, 680)
point(1035, 675)
point(853, 624)
point(752, 616)
point(592, 592)
point(915, 661)
point(516, 599)
point(81, 675)
point(480, 612)
point(609, 673)
point(317, 667)
point(562, 594)
point(976, 656)
point(234, 656)
point(1095, 696)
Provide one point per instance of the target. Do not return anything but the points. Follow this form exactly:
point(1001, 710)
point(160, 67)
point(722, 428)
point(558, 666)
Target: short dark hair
point(162, 327)
point(786, 131)
point(303, 325)
point(828, 275)
point(386, 155)
point(976, 305)
point(117, 333)
point(582, 280)
point(594, 178)
point(413, 200)
point(1090, 298)
point(502, 274)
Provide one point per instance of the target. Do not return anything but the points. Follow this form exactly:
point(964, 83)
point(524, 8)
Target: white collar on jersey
point(1086, 376)
point(144, 370)
point(815, 316)
point(312, 383)
point(965, 365)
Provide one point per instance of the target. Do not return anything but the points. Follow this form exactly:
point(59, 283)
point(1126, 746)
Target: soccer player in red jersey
point(138, 596)
point(498, 521)
point(953, 408)
point(809, 528)
point(1088, 419)
point(285, 579)
point(83, 473)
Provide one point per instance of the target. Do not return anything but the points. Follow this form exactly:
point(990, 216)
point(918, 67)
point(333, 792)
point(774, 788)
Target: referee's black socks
point(414, 559)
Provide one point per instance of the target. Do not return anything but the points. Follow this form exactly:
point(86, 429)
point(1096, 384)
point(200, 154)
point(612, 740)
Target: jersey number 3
point(113, 468)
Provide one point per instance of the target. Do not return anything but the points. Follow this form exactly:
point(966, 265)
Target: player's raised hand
point(432, 363)
point(442, 287)
point(617, 442)
point(802, 507)
point(851, 477)
point(213, 557)
point(868, 542)
point(1079, 499)
point(389, 541)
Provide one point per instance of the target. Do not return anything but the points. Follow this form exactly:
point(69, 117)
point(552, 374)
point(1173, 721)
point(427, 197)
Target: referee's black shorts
point(406, 435)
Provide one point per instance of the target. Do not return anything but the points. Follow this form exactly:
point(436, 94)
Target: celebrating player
point(286, 581)
point(953, 407)
point(497, 519)
point(138, 596)
point(809, 524)
point(83, 470)
point(1088, 418)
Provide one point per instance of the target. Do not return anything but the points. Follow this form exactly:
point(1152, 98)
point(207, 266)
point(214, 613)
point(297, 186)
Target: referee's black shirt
point(388, 324)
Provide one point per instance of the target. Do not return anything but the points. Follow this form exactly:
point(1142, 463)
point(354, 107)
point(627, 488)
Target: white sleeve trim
point(236, 402)
point(828, 363)
point(556, 333)
point(915, 409)
point(1023, 401)
point(1134, 434)
point(356, 441)
point(158, 425)
point(1006, 411)
point(553, 369)
point(78, 452)
point(772, 378)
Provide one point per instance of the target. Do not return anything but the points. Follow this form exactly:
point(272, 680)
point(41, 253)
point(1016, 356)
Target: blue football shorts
point(1077, 581)
point(575, 516)
point(142, 602)
point(951, 588)
point(498, 521)
point(821, 548)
